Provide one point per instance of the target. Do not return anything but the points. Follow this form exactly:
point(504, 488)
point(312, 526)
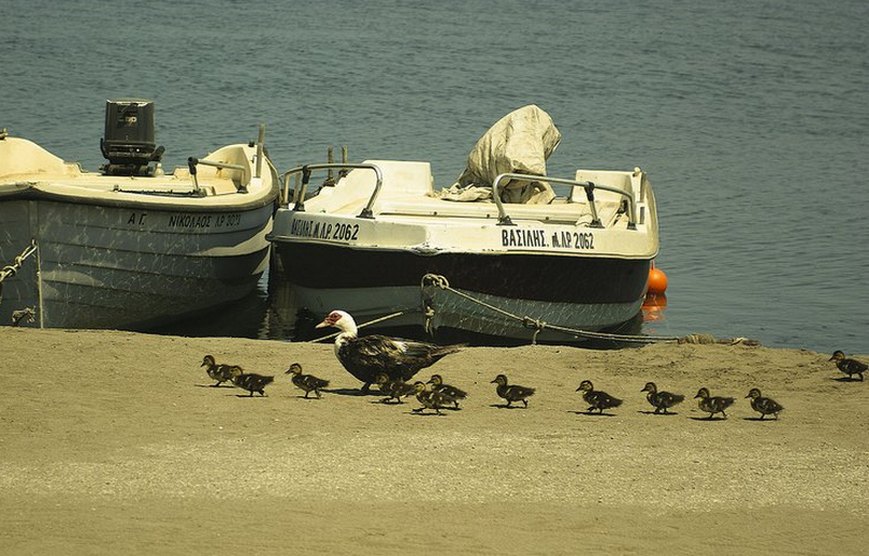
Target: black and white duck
point(365, 356)
point(512, 392)
point(661, 400)
point(764, 406)
point(847, 365)
point(218, 371)
point(597, 399)
point(307, 383)
point(712, 404)
point(437, 384)
point(251, 382)
point(430, 399)
point(393, 389)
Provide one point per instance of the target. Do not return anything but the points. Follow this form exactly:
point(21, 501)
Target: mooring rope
point(538, 325)
point(10, 269)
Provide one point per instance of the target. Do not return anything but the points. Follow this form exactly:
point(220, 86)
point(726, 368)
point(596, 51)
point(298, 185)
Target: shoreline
point(115, 441)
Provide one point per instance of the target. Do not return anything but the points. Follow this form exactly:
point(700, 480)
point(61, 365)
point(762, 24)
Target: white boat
point(381, 240)
point(130, 247)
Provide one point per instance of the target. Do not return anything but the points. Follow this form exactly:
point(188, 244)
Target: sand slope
point(113, 442)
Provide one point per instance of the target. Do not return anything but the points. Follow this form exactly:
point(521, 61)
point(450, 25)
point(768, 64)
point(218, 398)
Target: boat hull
point(128, 266)
point(580, 293)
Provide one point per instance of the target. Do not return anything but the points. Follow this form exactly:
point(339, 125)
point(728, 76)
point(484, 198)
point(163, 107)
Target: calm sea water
point(750, 116)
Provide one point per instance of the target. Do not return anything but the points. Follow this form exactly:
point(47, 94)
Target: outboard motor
point(129, 139)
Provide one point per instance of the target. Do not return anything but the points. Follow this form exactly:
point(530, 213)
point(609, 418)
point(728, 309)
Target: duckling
point(455, 393)
point(597, 399)
point(849, 366)
point(308, 383)
point(430, 399)
point(394, 389)
point(661, 401)
point(712, 404)
point(218, 371)
point(764, 406)
point(513, 392)
point(251, 382)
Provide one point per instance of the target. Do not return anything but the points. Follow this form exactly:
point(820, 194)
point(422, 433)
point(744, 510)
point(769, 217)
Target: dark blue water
point(751, 118)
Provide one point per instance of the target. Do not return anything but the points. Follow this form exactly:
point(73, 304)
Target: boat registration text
point(324, 230)
point(539, 238)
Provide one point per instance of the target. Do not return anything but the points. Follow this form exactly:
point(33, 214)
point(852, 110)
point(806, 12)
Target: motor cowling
point(129, 141)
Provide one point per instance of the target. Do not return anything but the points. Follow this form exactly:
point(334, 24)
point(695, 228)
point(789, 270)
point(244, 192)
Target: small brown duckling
point(438, 385)
point(218, 371)
point(849, 366)
point(394, 389)
point(512, 392)
point(251, 382)
point(308, 383)
point(712, 404)
point(597, 399)
point(430, 399)
point(661, 401)
point(764, 406)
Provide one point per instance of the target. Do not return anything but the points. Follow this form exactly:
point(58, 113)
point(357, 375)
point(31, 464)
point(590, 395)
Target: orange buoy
point(657, 284)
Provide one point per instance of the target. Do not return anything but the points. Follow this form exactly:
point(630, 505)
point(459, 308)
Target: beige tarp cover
point(519, 142)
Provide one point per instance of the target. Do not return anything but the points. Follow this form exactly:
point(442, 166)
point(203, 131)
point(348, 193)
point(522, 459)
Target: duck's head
point(418, 386)
point(501, 380)
point(702, 393)
point(294, 369)
point(753, 393)
point(436, 380)
point(339, 319)
point(207, 360)
point(650, 388)
point(838, 355)
point(586, 386)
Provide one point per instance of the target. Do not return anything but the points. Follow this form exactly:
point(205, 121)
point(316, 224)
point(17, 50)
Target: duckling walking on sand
point(308, 383)
point(661, 401)
point(512, 392)
point(849, 366)
point(764, 406)
point(597, 399)
point(430, 399)
point(394, 389)
point(438, 385)
point(712, 404)
point(251, 382)
point(218, 371)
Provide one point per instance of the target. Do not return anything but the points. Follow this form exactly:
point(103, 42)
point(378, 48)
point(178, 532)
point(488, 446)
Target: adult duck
point(365, 356)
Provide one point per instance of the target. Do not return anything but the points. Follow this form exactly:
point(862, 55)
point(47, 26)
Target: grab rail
point(504, 218)
point(299, 196)
point(193, 162)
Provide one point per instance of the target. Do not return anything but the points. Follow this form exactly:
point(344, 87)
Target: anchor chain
point(10, 269)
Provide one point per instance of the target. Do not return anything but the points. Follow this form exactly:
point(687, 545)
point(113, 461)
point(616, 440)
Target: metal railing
point(307, 169)
point(504, 218)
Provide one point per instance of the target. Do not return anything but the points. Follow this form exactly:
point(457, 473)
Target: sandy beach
point(115, 442)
